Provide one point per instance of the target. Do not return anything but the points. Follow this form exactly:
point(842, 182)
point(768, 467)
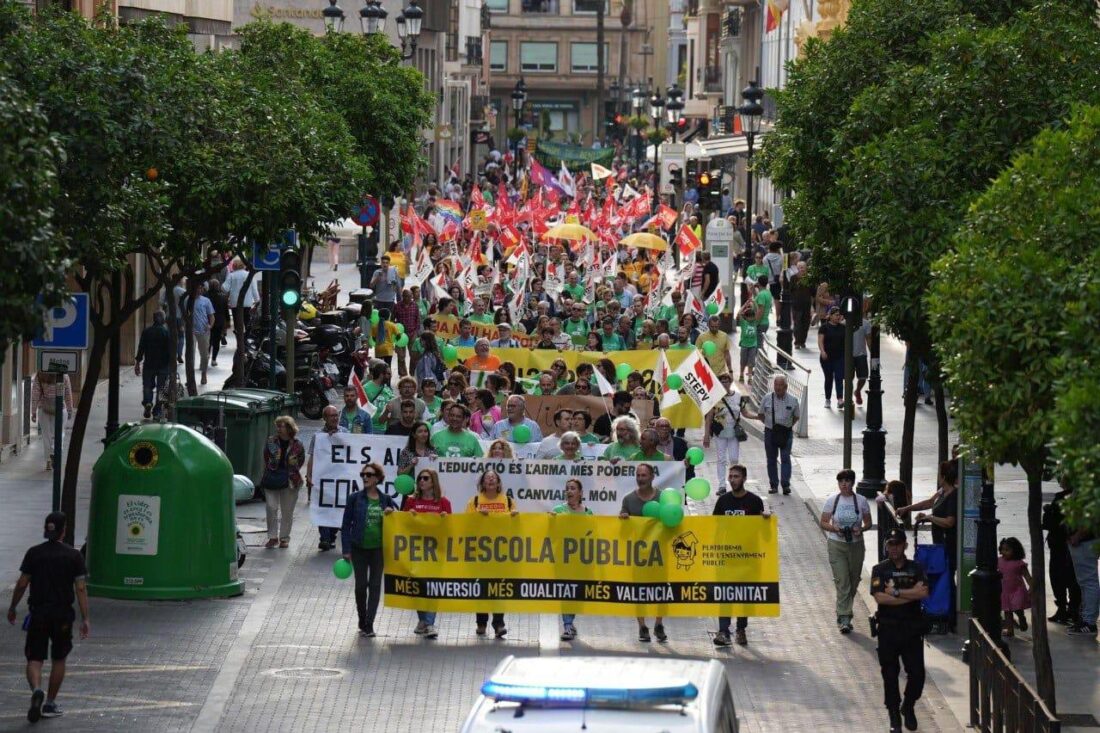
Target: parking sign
point(65, 326)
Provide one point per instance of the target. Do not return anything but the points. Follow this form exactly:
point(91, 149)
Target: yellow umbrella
point(572, 232)
point(645, 240)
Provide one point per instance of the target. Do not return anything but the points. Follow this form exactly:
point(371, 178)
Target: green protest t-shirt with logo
point(618, 450)
point(576, 292)
point(755, 272)
point(614, 342)
point(577, 329)
point(483, 318)
point(460, 445)
point(750, 337)
point(765, 300)
point(372, 529)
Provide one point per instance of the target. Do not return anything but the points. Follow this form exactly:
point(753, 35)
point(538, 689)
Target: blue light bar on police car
point(503, 691)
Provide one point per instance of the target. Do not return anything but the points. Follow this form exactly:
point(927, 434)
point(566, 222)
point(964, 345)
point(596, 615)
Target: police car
point(604, 694)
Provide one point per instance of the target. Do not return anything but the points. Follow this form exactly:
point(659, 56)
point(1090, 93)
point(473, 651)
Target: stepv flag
point(566, 181)
point(599, 172)
point(718, 298)
point(700, 382)
point(361, 394)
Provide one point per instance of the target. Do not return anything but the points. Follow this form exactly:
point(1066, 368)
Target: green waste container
point(249, 418)
point(161, 523)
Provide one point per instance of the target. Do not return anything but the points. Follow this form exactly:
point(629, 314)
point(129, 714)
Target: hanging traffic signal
point(704, 180)
point(676, 177)
point(290, 278)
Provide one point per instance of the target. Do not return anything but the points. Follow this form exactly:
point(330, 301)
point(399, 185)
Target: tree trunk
point(1040, 644)
point(239, 332)
point(100, 336)
point(943, 439)
point(173, 335)
point(905, 467)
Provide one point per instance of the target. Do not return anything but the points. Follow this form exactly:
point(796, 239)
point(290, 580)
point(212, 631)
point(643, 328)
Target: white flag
point(565, 180)
point(700, 382)
point(669, 397)
point(605, 386)
point(599, 172)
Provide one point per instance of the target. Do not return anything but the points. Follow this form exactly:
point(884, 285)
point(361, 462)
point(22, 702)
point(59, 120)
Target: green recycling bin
point(161, 523)
point(249, 418)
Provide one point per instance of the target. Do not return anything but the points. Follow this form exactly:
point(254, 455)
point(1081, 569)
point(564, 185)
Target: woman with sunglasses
point(427, 498)
point(361, 540)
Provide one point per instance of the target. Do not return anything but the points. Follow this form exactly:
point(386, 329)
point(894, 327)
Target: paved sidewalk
point(818, 458)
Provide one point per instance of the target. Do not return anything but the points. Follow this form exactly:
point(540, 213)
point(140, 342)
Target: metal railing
point(1001, 701)
point(798, 382)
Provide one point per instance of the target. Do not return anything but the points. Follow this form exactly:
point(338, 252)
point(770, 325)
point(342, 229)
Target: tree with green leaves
point(33, 251)
point(1011, 315)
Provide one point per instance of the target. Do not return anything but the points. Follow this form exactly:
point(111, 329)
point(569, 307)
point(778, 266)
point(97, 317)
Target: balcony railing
point(712, 79)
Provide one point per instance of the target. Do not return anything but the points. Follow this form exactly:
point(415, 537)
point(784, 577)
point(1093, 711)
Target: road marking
point(549, 639)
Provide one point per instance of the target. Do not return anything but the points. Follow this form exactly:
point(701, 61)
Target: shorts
point(48, 634)
point(748, 356)
point(860, 364)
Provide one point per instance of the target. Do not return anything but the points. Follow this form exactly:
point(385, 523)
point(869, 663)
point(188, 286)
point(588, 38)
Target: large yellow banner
point(531, 362)
point(541, 563)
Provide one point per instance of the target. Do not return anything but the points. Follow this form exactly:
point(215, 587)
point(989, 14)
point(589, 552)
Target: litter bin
point(161, 522)
point(249, 418)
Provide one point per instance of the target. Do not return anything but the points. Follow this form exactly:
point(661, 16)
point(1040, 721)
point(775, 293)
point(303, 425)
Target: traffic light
point(711, 197)
point(703, 183)
point(290, 278)
point(676, 177)
point(681, 126)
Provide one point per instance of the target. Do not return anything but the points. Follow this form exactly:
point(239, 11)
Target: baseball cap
point(55, 526)
point(895, 536)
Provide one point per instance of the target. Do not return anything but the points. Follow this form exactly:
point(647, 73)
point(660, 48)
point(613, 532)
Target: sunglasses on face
point(424, 478)
point(369, 474)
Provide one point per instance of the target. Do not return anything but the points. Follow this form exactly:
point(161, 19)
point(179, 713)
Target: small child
point(1015, 584)
point(750, 338)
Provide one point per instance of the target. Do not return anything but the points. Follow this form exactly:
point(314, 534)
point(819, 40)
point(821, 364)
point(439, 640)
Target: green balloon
point(404, 484)
point(698, 488)
point(651, 509)
point(623, 370)
point(374, 318)
point(712, 308)
point(671, 515)
point(342, 569)
point(400, 327)
point(671, 496)
point(450, 353)
point(695, 455)
point(674, 381)
point(709, 347)
point(600, 304)
point(521, 434)
point(402, 341)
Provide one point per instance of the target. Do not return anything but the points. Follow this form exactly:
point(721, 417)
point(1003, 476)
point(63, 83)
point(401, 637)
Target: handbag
point(781, 434)
point(275, 478)
point(738, 429)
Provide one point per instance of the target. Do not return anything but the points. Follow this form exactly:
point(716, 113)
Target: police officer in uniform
point(899, 585)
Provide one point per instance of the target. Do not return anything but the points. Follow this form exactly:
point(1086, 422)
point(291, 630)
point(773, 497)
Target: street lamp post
point(334, 17)
point(372, 19)
point(874, 439)
point(637, 101)
point(674, 106)
point(519, 99)
point(656, 107)
point(751, 112)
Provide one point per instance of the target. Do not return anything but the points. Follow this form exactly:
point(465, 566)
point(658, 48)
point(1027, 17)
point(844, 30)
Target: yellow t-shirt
point(501, 504)
point(400, 261)
point(717, 361)
point(384, 347)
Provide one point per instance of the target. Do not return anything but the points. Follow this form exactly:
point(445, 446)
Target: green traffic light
point(291, 298)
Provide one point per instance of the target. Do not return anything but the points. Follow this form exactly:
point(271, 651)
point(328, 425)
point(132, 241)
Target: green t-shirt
point(677, 346)
point(765, 300)
point(462, 445)
point(379, 396)
point(654, 456)
point(562, 457)
point(614, 342)
point(425, 306)
point(618, 450)
point(576, 292)
point(717, 360)
point(590, 438)
point(564, 509)
point(577, 329)
point(667, 313)
point(372, 530)
point(483, 318)
point(755, 271)
point(434, 405)
point(749, 338)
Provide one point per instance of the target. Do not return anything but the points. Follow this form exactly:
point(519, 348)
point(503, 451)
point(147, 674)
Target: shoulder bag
point(781, 434)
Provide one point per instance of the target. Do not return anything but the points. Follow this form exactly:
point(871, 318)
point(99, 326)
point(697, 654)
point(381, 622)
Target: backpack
point(429, 367)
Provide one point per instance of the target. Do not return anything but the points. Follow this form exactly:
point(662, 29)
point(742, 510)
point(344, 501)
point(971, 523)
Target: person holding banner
point(570, 447)
point(418, 446)
point(331, 426)
point(582, 424)
point(427, 498)
point(485, 413)
point(632, 506)
point(574, 504)
point(499, 449)
point(738, 502)
point(482, 360)
point(490, 499)
point(516, 408)
point(647, 448)
point(361, 542)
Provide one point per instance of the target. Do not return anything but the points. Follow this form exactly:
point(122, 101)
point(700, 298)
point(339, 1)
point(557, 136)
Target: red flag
point(476, 199)
point(668, 216)
point(509, 236)
point(687, 241)
point(353, 381)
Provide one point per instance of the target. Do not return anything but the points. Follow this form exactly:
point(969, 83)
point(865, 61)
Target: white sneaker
point(828, 404)
point(421, 629)
point(430, 632)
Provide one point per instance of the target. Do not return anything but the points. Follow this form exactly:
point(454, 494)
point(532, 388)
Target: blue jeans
point(567, 619)
point(834, 374)
point(151, 381)
point(724, 623)
point(784, 451)
point(1084, 567)
point(426, 617)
